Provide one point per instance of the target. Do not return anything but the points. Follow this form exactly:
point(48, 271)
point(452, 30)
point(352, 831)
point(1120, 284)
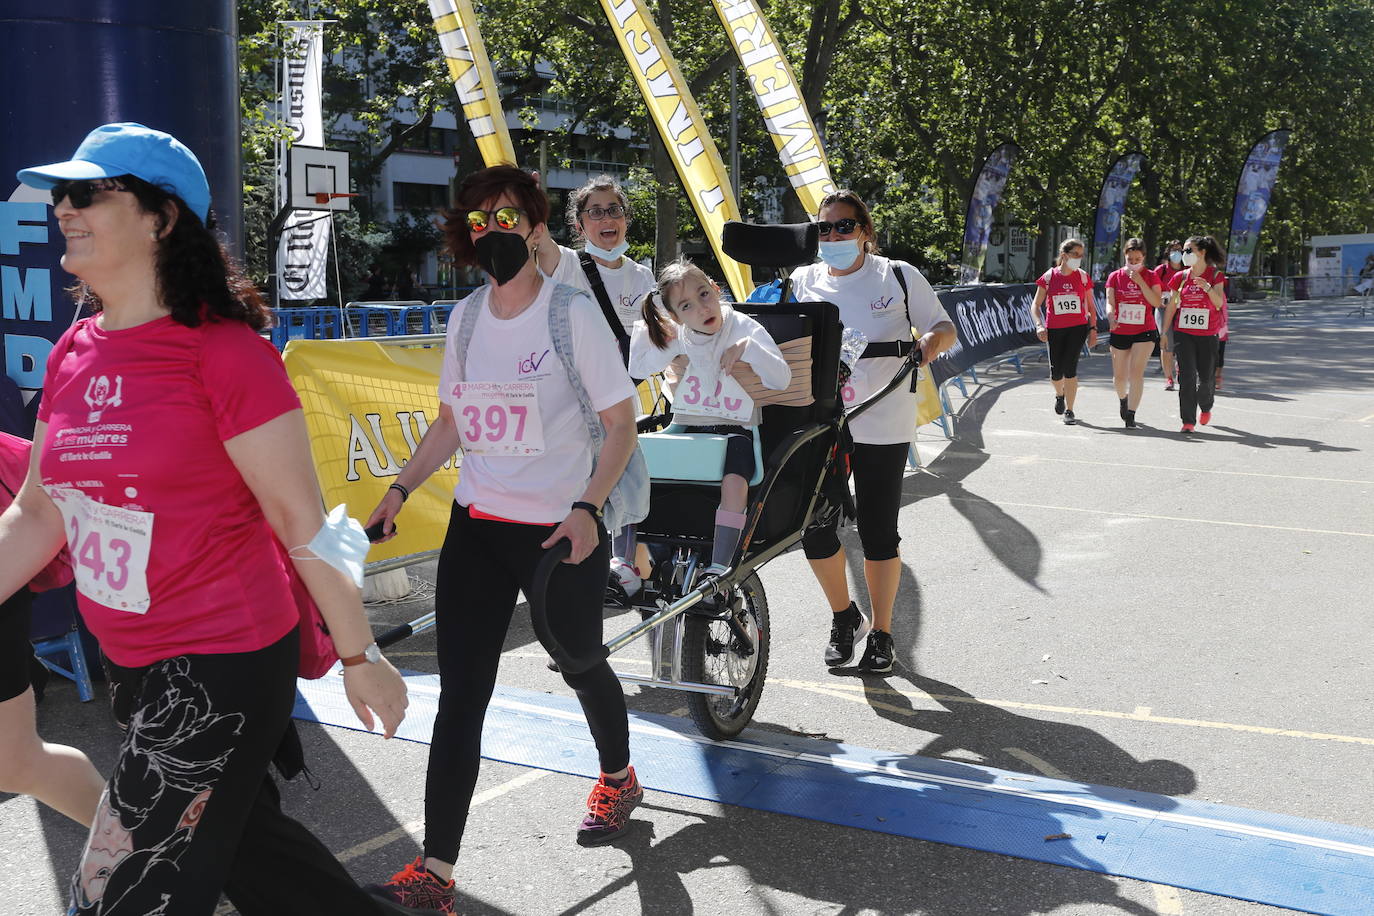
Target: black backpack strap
point(604, 300)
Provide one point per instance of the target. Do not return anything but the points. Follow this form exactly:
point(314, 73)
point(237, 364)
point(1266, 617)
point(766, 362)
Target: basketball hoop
point(324, 198)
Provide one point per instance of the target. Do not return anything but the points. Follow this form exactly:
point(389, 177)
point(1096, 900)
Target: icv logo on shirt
point(881, 303)
point(530, 365)
point(99, 396)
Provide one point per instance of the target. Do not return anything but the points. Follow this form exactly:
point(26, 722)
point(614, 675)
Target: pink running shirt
point(1128, 293)
point(172, 552)
point(1059, 289)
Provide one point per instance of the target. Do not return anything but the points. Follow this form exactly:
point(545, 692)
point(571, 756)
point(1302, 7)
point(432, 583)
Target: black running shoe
point(847, 630)
point(1069, 418)
point(1124, 410)
point(1130, 420)
point(1059, 403)
point(877, 654)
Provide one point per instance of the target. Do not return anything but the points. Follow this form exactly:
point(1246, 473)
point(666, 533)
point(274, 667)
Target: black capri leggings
point(16, 652)
point(482, 566)
point(739, 447)
point(1066, 345)
point(878, 474)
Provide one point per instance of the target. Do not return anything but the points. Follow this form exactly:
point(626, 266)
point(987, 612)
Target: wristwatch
point(372, 655)
point(595, 511)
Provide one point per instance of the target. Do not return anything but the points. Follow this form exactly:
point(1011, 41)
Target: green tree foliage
point(911, 95)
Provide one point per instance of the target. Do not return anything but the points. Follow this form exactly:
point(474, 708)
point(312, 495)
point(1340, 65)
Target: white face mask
point(607, 254)
point(340, 542)
point(1189, 258)
point(840, 255)
point(1072, 263)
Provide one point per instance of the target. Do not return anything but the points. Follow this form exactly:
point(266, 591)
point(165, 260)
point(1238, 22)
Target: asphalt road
point(1187, 616)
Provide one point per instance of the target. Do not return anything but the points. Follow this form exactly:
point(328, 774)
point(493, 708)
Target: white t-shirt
point(537, 488)
point(704, 351)
point(625, 285)
point(870, 300)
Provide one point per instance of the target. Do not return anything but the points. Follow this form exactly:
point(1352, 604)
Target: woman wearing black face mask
point(531, 476)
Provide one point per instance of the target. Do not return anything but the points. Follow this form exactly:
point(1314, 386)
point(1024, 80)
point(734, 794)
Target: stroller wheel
point(713, 652)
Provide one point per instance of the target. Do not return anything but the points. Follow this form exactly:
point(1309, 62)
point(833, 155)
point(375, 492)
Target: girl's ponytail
point(653, 321)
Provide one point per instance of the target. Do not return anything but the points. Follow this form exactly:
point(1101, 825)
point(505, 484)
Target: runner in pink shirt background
point(1195, 316)
point(1065, 293)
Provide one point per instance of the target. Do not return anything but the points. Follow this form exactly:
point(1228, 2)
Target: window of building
point(407, 195)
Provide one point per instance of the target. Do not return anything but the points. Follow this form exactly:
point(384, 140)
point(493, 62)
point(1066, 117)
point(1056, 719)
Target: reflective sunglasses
point(81, 193)
point(506, 218)
point(614, 211)
point(841, 226)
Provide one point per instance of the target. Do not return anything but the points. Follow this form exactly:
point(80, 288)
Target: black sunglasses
point(1188, 250)
point(80, 193)
point(842, 226)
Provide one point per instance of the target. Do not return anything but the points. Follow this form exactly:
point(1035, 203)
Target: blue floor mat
point(1306, 865)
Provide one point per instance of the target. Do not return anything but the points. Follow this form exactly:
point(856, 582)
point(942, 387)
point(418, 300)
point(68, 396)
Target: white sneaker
point(626, 576)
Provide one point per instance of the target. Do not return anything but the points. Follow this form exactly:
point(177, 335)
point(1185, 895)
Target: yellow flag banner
point(367, 406)
point(679, 121)
point(473, 78)
point(779, 96)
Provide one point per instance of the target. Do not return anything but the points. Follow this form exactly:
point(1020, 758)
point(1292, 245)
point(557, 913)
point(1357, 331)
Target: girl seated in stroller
point(684, 316)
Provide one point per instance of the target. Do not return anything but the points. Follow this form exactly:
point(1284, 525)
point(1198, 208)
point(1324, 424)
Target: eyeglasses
point(506, 218)
point(840, 226)
point(614, 211)
point(1188, 250)
point(81, 193)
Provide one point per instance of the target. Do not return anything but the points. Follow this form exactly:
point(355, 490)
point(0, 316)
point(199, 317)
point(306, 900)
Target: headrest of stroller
point(770, 245)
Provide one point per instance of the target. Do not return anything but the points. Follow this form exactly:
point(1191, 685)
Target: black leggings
point(190, 809)
point(878, 474)
point(1197, 374)
point(16, 652)
point(481, 567)
point(739, 447)
point(1066, 345)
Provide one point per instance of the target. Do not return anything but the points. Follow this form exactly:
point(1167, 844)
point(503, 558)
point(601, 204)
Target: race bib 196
point(498, 418)
point(110, 548)
point(723, 398)
point(1193, 319)
point(1130, 313)
point(1067, 304)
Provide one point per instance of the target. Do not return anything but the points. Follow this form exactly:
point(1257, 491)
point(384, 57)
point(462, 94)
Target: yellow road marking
point(1035, 763)
point(1163, 467)
point(1166, 518)
point(1141, 714)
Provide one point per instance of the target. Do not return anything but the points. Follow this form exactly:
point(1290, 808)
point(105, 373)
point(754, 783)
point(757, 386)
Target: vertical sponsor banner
point(779, 97)
point(1111, 205)
point(679, 121)
point(982, 203)
point(1253, 190)
point(303, 250)
point(466, 54)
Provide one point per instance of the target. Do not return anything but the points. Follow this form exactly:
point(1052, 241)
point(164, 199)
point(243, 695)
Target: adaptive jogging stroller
point(709, 635)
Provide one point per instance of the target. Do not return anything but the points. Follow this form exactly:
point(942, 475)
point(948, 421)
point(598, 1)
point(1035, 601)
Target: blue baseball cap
point(127, 148)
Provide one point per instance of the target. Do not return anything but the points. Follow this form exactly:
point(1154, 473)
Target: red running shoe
point(1169, 383)
point(608, 810)
point(1205, 417)
point(418, 888)
point(1187, 427)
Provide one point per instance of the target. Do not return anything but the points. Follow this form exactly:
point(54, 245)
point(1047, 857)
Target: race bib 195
point(110, 548)
point(1067, 304)
point(498, 418)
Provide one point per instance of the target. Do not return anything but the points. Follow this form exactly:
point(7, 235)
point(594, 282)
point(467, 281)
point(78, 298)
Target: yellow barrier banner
point(780, 101)
point(367, 406)
point(472, 75)
point(679, 121)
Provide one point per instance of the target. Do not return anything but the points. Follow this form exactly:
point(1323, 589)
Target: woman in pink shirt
point(1170, 263)
point(171, 456)
point(1195, 316)
point(1132, 297)
point(1066, 295)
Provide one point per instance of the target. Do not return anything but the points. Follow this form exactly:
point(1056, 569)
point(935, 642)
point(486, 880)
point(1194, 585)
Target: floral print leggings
point(190, 810)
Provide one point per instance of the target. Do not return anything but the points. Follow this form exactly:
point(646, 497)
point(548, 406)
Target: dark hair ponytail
point(653, 320)
point(1211, 251)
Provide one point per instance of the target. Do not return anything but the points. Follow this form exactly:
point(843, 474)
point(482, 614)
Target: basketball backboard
point(318, 178)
